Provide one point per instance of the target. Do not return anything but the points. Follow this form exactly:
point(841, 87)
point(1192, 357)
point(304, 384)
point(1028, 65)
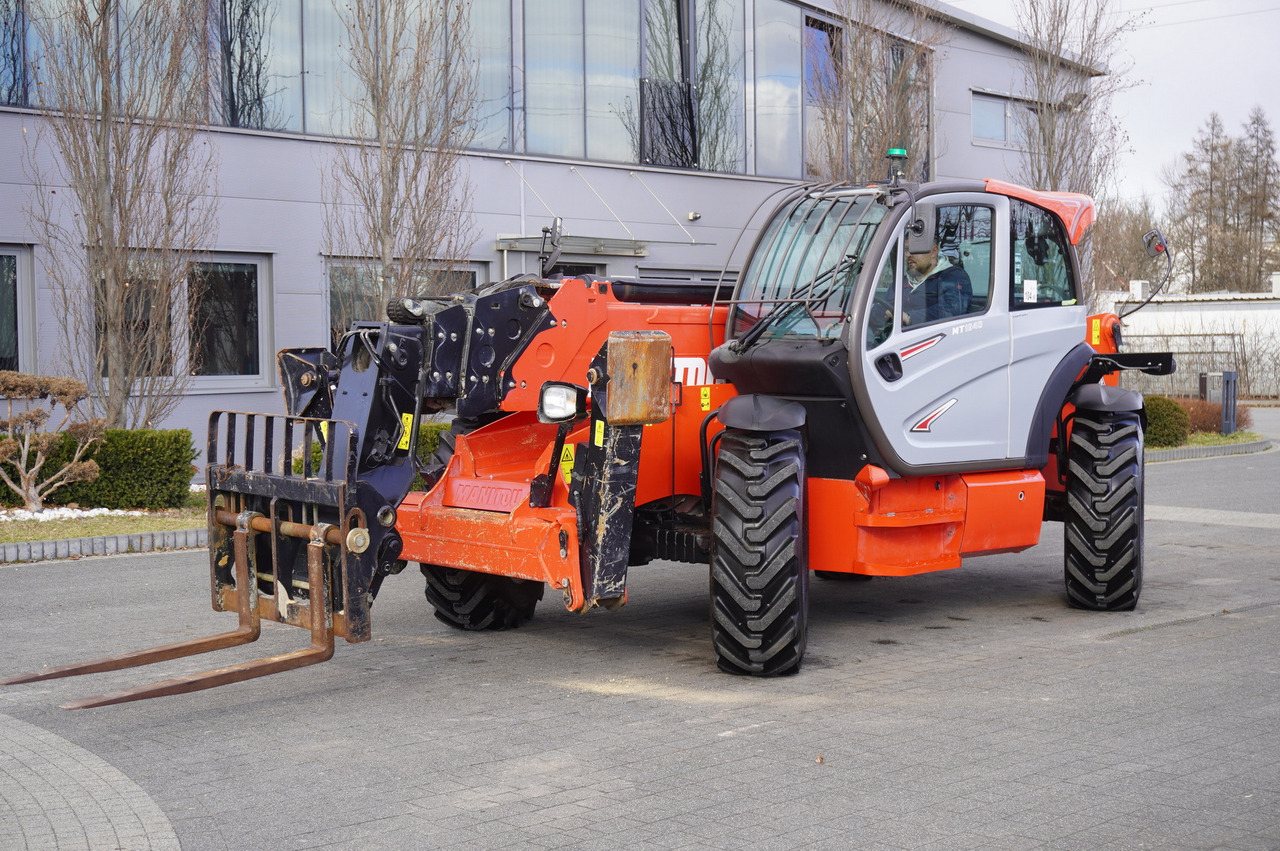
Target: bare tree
point(397, 195)
point(1073, 69)
point(121, 195)
point(872, 92)
point(1116, 241)
point(1225, 207)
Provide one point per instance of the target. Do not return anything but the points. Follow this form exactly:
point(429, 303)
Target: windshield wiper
point(784, 308)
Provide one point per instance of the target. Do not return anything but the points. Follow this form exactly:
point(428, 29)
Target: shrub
point(142, 468)
point(1167, 422)
point(1207, 416)
point(428, 438)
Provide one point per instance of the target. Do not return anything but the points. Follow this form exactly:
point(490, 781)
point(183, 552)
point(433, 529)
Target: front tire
point(1103, 526)
point(759, 574)
point(465, 599)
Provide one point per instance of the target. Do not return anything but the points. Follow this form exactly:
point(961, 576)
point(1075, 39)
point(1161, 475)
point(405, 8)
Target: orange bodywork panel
point(586, 313)
point(898, 527)
point(1075, 210)
point(478, 517)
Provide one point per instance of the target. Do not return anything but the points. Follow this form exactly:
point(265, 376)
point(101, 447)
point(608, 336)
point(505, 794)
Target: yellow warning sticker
point(407, 420)
point(706, 398)
point(599, 432)
point(1095, 332)
point(566, 462)
point(324, 430)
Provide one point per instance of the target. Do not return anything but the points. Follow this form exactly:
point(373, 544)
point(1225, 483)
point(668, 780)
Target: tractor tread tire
point(1103, 525)
point(759, 575)
point(465, 599)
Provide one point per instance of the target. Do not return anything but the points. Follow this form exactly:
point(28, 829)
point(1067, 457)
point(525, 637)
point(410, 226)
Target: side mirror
point(1154, 242)
point(921, 229)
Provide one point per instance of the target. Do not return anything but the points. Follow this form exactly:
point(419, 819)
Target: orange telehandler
point(902, 377)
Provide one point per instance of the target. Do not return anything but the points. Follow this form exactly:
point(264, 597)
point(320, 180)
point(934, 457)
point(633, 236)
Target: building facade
point(585, 115)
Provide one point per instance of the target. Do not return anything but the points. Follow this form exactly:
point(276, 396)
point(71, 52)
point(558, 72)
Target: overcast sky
point(1191, 58)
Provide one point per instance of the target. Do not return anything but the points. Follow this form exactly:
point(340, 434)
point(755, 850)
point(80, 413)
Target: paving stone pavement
point(965, 709)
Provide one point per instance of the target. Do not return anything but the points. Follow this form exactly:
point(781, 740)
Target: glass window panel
point(358, 293)
point(224, 332)
point(1041, 268)
point(491, 36)
point(553, 42)
point(953, 278)
point(807, 264)
point(663, 58)
point(613, 72)
point(249, 88)
point(281, 61)
point(8, 311)
point(721, 55)
point(12, 59)
point(778, 73)
point(328, 80)
point(989, 119)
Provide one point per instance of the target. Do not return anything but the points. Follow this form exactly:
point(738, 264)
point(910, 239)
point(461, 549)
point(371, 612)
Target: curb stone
point(177, 539)
point(29, 551)
point(1186, 452)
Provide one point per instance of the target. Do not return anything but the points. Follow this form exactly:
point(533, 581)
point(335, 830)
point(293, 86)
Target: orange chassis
point(479, 515)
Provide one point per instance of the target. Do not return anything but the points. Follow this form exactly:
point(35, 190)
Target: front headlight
point(560, 401)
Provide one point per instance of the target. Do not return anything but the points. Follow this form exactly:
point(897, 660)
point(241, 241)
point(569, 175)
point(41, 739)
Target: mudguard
point(752, 412)
point(1105, 398)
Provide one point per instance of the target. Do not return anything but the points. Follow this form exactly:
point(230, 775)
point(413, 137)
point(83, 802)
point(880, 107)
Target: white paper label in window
point(1029, 291)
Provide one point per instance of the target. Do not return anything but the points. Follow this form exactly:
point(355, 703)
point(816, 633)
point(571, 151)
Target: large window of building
point(779, 68)
point(16, 350)
point(13, 57)
point(357, 290)
point(612, 89)
point(997, 119)
point(214, 325)
point(553, 78)
point(491, 36)
point(225, 325)
point(721, 93)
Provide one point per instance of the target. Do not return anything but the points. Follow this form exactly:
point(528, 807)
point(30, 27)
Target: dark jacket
point(942, 294)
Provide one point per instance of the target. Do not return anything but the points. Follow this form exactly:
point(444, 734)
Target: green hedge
point(1167, 422)
point(428, 438)
point(141, 468)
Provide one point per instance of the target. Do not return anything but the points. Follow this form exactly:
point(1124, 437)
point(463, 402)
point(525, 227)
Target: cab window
point(952, 279)
point(1041, 271)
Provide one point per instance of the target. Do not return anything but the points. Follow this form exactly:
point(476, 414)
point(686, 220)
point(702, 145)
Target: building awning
point(590, 245)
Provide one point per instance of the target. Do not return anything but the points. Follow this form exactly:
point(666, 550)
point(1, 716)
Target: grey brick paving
point(967, 709)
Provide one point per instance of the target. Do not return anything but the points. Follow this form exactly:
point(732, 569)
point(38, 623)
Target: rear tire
point(759, 575)
point(1103, 526)
point(465, 599)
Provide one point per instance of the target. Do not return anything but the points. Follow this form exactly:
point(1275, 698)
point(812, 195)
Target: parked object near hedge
point(27, 443)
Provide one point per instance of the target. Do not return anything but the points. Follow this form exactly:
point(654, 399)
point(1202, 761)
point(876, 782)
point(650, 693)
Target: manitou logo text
point(691, 372)
point(489, 496)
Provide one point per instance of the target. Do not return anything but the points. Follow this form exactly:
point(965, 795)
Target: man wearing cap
point(935, 289)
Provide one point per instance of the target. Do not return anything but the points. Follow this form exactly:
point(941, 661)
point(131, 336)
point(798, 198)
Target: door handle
point(889, 366)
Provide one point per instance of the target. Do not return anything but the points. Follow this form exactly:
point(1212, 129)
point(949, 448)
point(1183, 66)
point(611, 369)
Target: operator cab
point(924, 329)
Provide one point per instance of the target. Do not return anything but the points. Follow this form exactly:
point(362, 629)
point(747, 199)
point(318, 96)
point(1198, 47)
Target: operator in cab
point(935, 288)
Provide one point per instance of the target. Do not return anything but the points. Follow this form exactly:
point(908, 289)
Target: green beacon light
point(898, 159)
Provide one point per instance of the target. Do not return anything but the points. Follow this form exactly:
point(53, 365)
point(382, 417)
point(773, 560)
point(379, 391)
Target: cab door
point(935, 390)
point(1046, 316)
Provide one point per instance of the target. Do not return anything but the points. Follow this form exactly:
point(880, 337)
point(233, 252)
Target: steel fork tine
point(321, 648)
point(248, 631)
